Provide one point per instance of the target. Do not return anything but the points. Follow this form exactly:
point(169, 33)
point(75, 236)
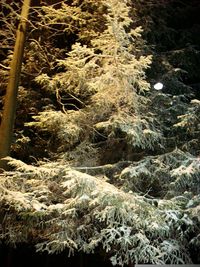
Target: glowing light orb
point(158, 86)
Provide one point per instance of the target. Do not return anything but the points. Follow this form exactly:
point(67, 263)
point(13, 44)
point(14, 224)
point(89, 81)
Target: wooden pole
point(8, 117)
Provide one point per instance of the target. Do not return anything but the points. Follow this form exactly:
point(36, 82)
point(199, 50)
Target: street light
point(158, 86)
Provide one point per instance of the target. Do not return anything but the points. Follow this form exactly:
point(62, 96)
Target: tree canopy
point(101, 160)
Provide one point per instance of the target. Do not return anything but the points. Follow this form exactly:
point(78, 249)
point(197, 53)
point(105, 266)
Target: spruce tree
point(121, 171)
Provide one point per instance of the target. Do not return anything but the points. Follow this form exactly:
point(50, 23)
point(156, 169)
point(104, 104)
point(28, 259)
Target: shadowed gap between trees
point(24, 255)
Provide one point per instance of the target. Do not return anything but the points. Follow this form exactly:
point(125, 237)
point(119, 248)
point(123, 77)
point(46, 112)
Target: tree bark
point(8, 117)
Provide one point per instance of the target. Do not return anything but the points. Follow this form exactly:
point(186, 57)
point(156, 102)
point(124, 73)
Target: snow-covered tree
point(113, 164)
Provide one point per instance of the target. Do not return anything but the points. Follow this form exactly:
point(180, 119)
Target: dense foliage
point(101, 160)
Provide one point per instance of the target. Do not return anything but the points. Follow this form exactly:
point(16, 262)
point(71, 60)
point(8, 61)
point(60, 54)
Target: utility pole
point(8, 117)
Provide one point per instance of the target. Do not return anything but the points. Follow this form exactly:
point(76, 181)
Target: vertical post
point(8, 117)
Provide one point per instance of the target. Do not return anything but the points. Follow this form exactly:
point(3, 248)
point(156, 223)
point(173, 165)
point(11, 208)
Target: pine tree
point(121, 174)
point(7, 120)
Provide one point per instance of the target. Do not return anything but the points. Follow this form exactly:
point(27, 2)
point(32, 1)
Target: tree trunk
point(7, 123)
